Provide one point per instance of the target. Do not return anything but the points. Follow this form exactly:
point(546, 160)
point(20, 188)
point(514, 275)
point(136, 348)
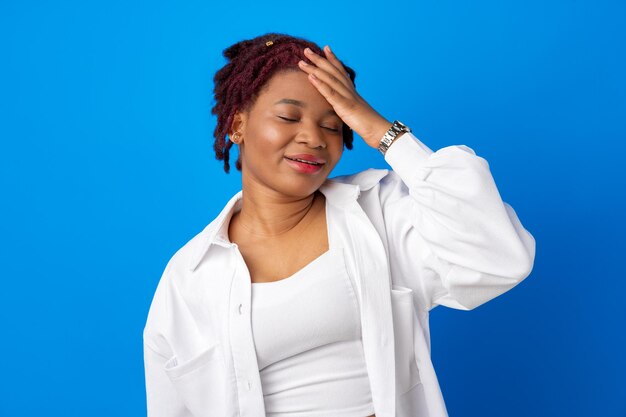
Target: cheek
point(267, 140)
point(336, 154)
point(338, 148)
point(270, 133)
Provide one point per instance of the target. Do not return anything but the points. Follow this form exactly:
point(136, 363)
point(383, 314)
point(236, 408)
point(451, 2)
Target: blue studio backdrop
point(107, 168)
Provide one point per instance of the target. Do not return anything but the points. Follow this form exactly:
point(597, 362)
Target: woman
point(309, 296)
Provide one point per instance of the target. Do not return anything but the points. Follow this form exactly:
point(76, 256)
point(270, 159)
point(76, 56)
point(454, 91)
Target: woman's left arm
point(450, 235)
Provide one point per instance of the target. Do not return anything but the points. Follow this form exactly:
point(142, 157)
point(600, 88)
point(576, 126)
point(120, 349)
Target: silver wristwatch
point(391, 134)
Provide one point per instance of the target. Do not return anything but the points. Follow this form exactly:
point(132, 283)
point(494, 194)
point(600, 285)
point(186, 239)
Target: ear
point(238, 124)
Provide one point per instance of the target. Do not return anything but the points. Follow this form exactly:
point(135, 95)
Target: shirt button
point(249, 385)
point(240, 308)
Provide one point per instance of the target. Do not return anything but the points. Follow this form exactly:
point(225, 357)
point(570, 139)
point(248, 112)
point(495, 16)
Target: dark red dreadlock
point(251, 65)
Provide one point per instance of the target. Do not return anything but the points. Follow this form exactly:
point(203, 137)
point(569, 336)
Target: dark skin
point(281, 226)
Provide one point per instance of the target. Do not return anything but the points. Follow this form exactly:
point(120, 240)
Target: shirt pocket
point(404, 321)
point(200, 381)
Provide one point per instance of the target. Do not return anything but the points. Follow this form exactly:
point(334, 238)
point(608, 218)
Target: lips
point(308, 168)
point(306, 158)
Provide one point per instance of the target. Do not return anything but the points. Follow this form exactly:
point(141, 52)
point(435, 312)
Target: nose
point(312, 136)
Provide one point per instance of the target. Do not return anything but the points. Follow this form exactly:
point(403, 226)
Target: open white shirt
point(431, 231)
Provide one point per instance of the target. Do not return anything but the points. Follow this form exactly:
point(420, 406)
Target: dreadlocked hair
point(251, 64)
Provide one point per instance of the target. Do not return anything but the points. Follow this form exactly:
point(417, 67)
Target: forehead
point(292, 85)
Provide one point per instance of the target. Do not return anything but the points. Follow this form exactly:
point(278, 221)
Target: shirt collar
point(338, 191)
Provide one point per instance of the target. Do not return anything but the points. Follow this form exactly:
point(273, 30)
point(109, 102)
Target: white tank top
point(307, 335)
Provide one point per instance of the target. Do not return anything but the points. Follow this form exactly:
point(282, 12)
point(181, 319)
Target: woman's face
point(289, 119)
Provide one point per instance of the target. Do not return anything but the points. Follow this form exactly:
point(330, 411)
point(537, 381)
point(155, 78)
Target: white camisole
point(307, 335)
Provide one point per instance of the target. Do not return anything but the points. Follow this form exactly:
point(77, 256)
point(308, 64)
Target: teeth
point(306, 162)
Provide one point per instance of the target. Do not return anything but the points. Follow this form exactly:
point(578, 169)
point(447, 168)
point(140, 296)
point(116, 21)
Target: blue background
point(107, 168)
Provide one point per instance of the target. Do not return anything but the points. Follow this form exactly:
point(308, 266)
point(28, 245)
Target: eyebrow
point(302, 104)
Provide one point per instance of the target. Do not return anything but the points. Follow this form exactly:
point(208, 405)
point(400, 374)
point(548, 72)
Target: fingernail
point(307, 50)
point(328, 48)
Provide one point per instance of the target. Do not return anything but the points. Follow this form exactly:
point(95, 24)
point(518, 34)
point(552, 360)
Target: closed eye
point(292, 120)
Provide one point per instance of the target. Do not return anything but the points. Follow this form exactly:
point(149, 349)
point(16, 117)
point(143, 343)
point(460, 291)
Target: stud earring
point(235, 138)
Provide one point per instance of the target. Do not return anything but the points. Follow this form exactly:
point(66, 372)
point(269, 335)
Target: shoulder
point(176, 274)
point(374, 183)
point(365, 179)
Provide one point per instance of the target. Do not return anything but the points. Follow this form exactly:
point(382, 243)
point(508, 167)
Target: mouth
point(305, 166)
point(305, 161)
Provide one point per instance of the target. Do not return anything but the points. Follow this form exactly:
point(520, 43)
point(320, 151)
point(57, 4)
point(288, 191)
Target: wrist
point(395, 131)
point(379, 129)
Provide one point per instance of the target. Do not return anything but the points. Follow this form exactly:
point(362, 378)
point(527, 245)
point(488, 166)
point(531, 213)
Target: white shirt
point(307, 336)
point(431, 231)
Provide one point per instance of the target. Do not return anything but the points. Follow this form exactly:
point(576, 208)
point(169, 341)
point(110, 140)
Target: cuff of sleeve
point(406, 154)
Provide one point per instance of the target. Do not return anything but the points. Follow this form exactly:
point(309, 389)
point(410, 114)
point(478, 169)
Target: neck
point(265, 213)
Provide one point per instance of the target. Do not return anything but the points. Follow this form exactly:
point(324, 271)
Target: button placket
point(250, 397)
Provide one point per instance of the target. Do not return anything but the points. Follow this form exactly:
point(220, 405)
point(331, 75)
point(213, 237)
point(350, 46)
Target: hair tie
point(269, 43)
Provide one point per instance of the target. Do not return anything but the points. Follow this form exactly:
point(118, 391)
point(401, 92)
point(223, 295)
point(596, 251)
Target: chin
point(303, 190)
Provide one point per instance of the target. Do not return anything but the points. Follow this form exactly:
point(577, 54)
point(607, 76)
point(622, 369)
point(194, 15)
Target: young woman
point(308, 296)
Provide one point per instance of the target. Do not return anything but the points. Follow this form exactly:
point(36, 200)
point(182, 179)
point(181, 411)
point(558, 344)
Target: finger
point(334, 97)
point(335, 67)
point(329, 79)
point(330, 55)
point(326, 65)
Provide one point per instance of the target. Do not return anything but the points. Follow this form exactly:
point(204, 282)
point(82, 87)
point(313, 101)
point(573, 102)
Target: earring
point(235, 138)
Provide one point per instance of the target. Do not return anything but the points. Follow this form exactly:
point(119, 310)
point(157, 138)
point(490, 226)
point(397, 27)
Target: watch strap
point(396, 128)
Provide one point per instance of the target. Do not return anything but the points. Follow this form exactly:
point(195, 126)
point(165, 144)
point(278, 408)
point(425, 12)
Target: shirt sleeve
point(162, 399)
point(450, 236)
